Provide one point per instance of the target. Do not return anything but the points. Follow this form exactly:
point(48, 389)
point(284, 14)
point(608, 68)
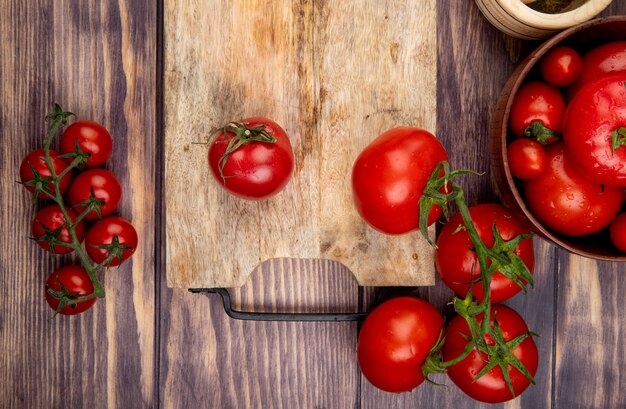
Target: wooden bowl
point(582, 38)
point(516, 19)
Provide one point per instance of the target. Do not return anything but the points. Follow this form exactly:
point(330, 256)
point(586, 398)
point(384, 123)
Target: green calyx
point(536, 130)
point(618, 138)
point(115, 250)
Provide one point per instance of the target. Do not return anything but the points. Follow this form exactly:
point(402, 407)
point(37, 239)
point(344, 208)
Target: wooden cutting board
point(334, 75)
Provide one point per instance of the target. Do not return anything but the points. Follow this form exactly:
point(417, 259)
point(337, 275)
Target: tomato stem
point(618, 138)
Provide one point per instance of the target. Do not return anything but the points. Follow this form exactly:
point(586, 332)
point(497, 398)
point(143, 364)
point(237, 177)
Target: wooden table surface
point(146, 345)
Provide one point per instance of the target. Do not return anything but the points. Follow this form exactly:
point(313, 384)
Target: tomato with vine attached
point(526, 157)
point(617, 232)
point(561, 66)
point(96, 189)
point(594, 130)
point(457, 262)
point(568, 202)
point(111, 236)
point(389, 177)
point(252, 159)
point(65, 286)
point(91, 138)
point(604, 59)
point(481, 376)
point(36, 175)
point(537, 112)
point(50, 229)
point(395, 340)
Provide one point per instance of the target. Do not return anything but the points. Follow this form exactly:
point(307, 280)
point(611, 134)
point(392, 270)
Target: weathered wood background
point(146, 345)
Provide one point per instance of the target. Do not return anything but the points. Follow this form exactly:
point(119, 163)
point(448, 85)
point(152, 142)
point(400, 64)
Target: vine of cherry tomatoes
point(77, 199)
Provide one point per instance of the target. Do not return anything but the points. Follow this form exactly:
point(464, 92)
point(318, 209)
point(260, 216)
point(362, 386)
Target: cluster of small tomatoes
point(92, 196)
point(569, 128)
point(403, 339)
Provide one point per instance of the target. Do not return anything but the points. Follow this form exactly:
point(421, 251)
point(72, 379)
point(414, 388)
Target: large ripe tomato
point(457, 262)
point(491, 387)
point(568, 202)
point(526, 158)
point(92, 138)
point(102, 234)
point(561, 66)
point(389, 176)
point(539, 103)
point(77, 283)
point(594, 130)
point(258, 167)
point(395, 340)
point(52, 218)
point(36, 160)
point(599, 61)
point(104, 185)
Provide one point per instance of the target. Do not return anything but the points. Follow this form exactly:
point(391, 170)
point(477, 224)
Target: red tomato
point(599, 61)
point(52, 218)
point(36, 160)
point(457, 262)
point(526, 157)
point(594, 130)
point(541, 103)
point(617, 232)
point(259, 168)
point(561, 66)
point(102, 234)
point(566, 201)
point(77, 283)
point(105, 187)
point(389, 176)
point(92, 138)
point(491, 387)
point(395, 340)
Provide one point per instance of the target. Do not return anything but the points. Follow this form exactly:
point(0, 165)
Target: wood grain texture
point(289, 62)
point(92, 57)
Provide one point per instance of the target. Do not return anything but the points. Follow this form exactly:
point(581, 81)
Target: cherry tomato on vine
point(617, 232)
point(104, 186)
point(537, 112)
point(457, 263)
point(252, 159)
point(566, 201)
point(490, 387)
point(103, 234)
point(92, 138)
point(51, 218)
point(395, 340)
point(561, 66)
point(389, 177)
point(69, 282)
point(36, 161)
point(594, 130)
point(599, 61)
point(526, 157)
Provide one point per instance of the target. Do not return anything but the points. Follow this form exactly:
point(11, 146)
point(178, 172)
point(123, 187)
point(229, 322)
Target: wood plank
point(330, 102)
point(98, 60)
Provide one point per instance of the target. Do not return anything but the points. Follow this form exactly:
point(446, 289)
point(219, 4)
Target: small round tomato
point(36, 160)
point(111, 234)
point(561, 66)
point(389, 177)
point(537, 112)
point(68, 283)
point(51, 218)
point(599, 61)
point(568, 202)
point(91, 137)
point(594, 130)
point(490, 387)
point(395, 340)
point(526, 157)
point(252, 159)
point(456, 260)
point(104, 186)
point(617, 232)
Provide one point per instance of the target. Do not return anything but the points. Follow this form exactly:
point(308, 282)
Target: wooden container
point(582, 38)
point(516, 19)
